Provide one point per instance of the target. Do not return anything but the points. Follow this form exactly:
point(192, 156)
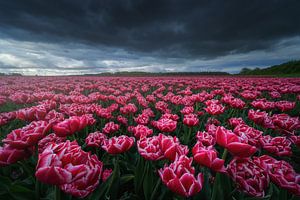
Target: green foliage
point(289, 68)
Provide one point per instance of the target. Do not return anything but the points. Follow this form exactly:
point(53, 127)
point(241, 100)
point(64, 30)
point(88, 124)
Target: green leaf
point(257, 198)
point(126, 178)
point(20, 192)
point(5, 182)
point(166, 194)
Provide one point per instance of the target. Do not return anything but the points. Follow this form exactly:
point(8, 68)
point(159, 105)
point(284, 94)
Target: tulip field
point(152, 138)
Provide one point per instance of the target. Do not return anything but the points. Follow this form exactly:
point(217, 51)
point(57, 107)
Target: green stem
point(196, 109)
point(73, 137)
point(37, 189)
point(57, 193)
point(214, 194)
point(217, 180)
point(111, 189)
point(224, 154)
point(97, 152)
point(86, 131)
point(188, 135)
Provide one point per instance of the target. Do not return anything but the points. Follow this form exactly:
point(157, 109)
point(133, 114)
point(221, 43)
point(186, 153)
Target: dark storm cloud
point(196, 29)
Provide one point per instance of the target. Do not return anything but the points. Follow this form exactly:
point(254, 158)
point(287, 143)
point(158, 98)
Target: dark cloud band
point(202, 29)
point(92, 36)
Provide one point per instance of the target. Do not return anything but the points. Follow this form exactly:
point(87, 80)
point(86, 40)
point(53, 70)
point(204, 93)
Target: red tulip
point(141, 131)
point(7, 117)
point(51, 138)
point(171, 147)
point(27, 136)
point(179, 177)
point(237, 103)
point(233, 102)
point(27, 114)
point(95, 139)
point(150, 148)
point(173, 117)
point(86, 174)
point(66, 165)
point(187, 110)
point(51, 166)
point(214, 108)
point(285, 122)
point(117, 145)
point(150, 98)
point(205, 138)
point(113, 107)
point(127, 109)
point(281, 173)
point(248, 176)
point(191, 120)
point(90, 119)
point(211, 129)
point(261, 118)
point(54, 117)
point(213, 121)
point(275, 94)
point(207, 156)
point(225, 137)
point(148, 112)
point(142, 119)
point(295, 140)
point(166, 125)
point(110, 128)
point(122, 120)
point(230, 141)
point(10, 155)
point(236, 121)
point(162, 106)
point(249, 134)
point(284, 106)
point(72, 125)
point(279, 146)
point(106, 174)
point(104, 113)
point(31, 114)
point(263, 104)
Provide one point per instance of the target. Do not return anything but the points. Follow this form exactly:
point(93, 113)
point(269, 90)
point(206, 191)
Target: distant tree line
point(126, 73)
point(291, 67)
point(10, 74)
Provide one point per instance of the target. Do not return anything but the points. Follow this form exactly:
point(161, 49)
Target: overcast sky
point(76, 37)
